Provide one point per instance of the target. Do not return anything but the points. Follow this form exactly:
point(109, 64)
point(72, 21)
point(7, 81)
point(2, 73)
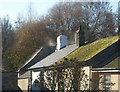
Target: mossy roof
point(88, 51)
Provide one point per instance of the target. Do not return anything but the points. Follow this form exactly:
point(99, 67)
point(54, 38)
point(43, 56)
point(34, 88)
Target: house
point(24, 74)
point(45, 62)
point(109, 70)
point(109, 76)
point(43, 58)
point(96, 56)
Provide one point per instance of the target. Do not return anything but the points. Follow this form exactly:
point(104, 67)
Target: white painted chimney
point(61, 42)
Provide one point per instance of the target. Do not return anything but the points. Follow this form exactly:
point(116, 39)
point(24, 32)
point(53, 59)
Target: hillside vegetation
point(88, 51)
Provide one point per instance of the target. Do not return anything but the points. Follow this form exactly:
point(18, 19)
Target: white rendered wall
point(35, 85)
point(61, 41)
point(35, 76)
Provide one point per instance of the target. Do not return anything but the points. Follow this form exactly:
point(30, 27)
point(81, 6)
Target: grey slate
point(42, 53)
point(54, 57)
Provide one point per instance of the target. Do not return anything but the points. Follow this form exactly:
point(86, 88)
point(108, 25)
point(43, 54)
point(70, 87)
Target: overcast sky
point(13, 7)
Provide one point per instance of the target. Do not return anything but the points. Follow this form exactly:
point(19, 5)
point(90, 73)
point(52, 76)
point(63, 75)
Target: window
point(107, 82)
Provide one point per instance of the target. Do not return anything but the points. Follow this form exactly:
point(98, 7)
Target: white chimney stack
point(61, 42)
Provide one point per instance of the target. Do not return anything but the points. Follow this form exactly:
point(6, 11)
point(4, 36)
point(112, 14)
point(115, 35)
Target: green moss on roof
point(88, 51)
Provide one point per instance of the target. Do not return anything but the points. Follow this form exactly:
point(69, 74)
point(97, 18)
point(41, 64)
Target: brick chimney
point(79, 37)
point(61, 42)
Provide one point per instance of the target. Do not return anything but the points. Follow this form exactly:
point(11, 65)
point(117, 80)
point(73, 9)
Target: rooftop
point(39, 55)
point(54, 57)
point(83, 53)
point(95, 49)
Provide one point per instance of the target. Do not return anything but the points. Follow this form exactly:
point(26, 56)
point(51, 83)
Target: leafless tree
point(93, 16)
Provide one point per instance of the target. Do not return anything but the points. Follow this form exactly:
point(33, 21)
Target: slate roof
point(110, 51)
point(114, 64)
point(39, 55)
point(106, 56)
point(54, 57)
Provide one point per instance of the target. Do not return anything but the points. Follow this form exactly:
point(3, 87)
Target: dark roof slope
point(114, 64)
point(39, 55)
point(106, 56)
